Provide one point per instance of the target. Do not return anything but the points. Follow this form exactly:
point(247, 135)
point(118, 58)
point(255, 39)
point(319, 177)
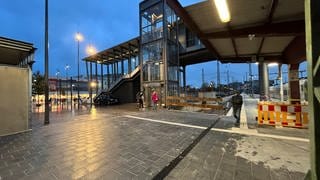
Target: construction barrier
point(285, 115)
point(212, 103)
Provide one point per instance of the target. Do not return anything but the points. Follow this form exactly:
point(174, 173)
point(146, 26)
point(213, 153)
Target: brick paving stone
point(107, 145)
point(216, 157)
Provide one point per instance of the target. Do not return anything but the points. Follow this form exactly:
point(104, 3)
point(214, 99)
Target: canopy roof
point(116, 53)
point(13, 52)
point(271, 29)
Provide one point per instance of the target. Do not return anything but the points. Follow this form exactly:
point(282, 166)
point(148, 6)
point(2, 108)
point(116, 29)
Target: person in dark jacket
point(139, 97)
point(237, 101)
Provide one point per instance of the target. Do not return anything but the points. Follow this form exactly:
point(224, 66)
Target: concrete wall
point(15, 96)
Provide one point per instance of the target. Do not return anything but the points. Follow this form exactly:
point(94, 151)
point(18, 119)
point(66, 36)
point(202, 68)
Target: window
point(190, 38)
point(151, 71)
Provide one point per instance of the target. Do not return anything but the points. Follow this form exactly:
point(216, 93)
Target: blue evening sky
point(103, 25)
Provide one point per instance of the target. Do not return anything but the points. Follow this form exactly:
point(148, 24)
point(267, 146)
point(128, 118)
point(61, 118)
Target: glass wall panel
point(151, 71)
point(173, 73)
point(134, 62)
point(171, 21)
point(152, 51)
point(152, 23)
point(155, 71)
point(172, 89)
point(126, 67)
point(172, 53)
point(145, 72)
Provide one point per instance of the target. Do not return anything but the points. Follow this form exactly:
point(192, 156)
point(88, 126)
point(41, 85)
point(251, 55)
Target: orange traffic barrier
point(286, 115)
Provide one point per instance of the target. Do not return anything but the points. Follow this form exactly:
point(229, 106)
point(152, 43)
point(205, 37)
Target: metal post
point(71, 92)
point(122, 67)
point(57, 90)
point(60, 89)
point(101, 73)
point(263, 80)
point(251, 82)
point(66, 83)
point(96, 79)
point(90, 87)
point(114, 71)
point(78, 83)
point(202, 75)
point(184, 79)
point(108, 75)
point(129, 61)
point(117, 70)
point(228, 81)
point(281, 83)
point(312, 16)
point(46, 78)
point(218, 77)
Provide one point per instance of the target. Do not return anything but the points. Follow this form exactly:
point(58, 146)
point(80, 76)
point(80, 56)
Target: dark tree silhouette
point(38, 84)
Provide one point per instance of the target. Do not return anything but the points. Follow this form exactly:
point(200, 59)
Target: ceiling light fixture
point(223, 10)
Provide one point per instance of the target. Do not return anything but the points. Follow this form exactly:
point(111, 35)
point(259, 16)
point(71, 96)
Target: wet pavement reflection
point(121, 142)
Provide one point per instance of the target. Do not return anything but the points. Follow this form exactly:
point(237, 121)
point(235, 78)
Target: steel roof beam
point(274, 4)
point(293, 28)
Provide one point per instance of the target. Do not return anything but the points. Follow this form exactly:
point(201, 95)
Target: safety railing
point(285, 115)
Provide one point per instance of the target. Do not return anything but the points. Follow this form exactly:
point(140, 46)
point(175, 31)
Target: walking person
point(139, 97)
point(155, 99)
point(237, 101)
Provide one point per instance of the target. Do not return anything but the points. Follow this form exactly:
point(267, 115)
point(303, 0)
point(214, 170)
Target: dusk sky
point(103, 25)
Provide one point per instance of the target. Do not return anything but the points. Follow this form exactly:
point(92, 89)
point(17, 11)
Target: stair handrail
point(126, 76)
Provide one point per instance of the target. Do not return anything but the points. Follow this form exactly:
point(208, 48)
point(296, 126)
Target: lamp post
point(57, 85)
point(79, 38)
point(91, 50)
point(67, 67)
point(46, 66)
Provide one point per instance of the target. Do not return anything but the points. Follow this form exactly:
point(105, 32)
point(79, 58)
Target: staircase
point(123, 78)
point(124, 87)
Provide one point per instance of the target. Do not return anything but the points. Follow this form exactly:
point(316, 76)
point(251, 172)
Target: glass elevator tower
point(159, 50)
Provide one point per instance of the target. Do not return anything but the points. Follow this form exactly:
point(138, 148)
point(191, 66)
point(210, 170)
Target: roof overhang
point(116, 53)
point(13, 52)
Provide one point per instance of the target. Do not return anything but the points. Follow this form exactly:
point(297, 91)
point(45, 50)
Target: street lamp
point(93, 84)
point(91, 50)
point(78, 38)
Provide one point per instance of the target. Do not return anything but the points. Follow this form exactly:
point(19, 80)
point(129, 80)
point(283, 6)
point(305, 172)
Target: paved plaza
point(121, 142)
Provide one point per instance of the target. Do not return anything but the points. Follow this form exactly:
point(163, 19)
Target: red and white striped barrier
point(286, 115)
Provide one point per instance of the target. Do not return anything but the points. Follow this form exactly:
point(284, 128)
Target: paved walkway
point(119, 142)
